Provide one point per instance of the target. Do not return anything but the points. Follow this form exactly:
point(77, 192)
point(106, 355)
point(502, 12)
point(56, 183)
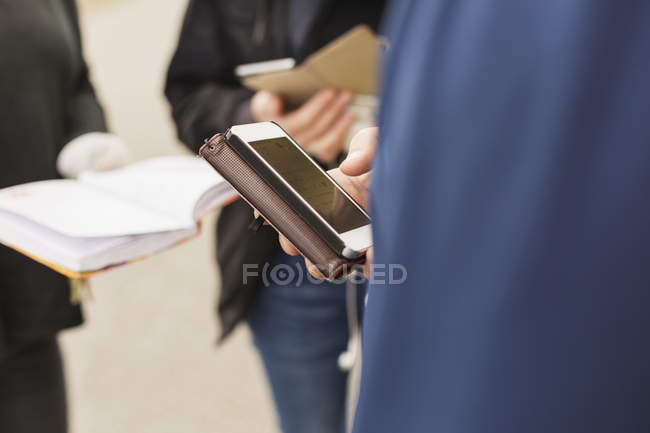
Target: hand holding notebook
point(104, 219)
point(347, 63)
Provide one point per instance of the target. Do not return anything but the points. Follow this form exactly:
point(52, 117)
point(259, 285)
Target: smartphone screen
point(314, 186)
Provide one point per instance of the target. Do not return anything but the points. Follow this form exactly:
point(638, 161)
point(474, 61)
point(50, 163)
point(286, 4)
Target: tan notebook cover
point(347, 63)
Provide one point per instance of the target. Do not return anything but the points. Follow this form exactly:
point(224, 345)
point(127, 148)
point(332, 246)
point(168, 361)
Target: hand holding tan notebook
point(347, 63)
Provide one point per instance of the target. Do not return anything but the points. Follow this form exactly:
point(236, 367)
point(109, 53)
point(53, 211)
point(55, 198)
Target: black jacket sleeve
point(84, 113)
point(204, 96)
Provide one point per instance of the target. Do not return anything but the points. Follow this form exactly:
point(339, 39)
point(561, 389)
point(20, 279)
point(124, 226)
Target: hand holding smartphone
point(293, 193)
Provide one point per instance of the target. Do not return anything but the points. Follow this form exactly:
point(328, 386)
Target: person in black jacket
point(46, 101)
point(299, 331)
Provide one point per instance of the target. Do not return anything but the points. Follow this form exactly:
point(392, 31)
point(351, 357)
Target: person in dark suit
point(47, 105)
point(299, 331)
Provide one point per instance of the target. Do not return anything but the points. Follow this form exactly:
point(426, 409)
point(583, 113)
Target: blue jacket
point(513, 184)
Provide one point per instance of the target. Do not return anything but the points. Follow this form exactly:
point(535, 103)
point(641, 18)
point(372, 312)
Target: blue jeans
point(300, 331)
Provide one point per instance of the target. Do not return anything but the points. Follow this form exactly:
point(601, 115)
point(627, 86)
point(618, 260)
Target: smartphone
point(312, 193)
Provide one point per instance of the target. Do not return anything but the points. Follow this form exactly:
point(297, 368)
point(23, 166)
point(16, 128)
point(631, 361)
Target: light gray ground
point(145, 361)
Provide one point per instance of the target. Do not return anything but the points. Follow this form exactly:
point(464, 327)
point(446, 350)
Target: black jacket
point(206, 98)
point(45, 100)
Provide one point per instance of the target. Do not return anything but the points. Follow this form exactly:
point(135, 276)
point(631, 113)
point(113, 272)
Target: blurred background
point(146, 359)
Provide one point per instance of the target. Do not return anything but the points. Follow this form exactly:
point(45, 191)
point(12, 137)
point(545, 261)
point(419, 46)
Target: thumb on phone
point(361, 153)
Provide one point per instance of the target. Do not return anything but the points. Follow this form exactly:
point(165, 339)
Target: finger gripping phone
point(293, 193)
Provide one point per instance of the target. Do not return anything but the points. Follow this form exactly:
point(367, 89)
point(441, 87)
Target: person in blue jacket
point(512, 182)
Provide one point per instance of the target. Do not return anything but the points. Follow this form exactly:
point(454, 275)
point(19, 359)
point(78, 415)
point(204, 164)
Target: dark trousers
point(32, 389)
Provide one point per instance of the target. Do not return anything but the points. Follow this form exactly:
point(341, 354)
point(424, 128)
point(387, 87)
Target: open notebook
point(105, 219)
